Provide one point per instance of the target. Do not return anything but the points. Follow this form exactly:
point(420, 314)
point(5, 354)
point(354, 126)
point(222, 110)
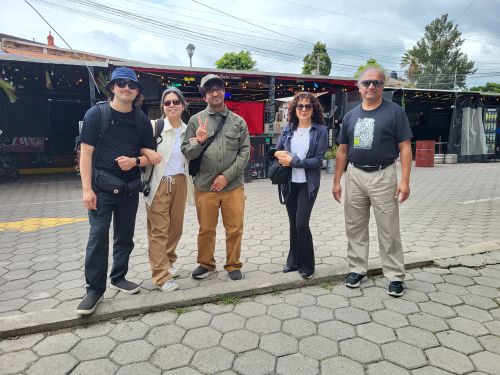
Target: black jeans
point(124, 210)
point(299, 207)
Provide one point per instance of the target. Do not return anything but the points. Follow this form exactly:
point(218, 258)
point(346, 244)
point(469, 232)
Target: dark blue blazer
point(318, 144)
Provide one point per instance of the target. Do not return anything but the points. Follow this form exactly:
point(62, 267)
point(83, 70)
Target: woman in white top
point(171, 185)
point(302, 146)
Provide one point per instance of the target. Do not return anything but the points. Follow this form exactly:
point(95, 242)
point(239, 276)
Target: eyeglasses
point(301, 107)
point(375, 82)
point(121, 83)
point(167, 103)
point(211, 90)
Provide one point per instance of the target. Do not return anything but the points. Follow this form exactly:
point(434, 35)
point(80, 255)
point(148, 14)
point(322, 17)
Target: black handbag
point(194, 165)
point(278, 174)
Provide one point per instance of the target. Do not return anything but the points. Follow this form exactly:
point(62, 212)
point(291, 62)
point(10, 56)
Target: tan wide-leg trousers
point(232, 206)
point(165, 219)
point(375, 189)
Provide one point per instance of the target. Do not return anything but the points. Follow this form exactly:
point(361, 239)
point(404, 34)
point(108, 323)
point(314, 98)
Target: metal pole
point(270, 105)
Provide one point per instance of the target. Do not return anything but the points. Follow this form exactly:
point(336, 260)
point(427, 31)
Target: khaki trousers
point(165, 219)
point(375, 189)
point(232, 207)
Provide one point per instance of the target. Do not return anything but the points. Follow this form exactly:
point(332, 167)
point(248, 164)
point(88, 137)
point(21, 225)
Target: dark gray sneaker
point(354, 279)
point(201, 273)
point(396, 288)
point(89, 303)
point(126, 286)
point(235, 275)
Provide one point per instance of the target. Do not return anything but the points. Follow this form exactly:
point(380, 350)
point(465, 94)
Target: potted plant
point(330, 155)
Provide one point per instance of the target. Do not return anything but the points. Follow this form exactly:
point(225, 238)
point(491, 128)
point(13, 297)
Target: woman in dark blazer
point(302, 146)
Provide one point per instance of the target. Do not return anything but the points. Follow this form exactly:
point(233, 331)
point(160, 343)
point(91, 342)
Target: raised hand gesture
point(201, 132)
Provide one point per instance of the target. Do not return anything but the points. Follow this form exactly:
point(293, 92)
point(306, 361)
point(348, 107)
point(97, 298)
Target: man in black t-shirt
point(372, 136)
point(114, 155)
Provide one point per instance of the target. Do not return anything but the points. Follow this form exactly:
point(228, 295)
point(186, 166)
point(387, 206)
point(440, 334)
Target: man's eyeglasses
point(307, 107)
point(211, 90)
point(375, 82)
point(121, 83)
point(167, 103)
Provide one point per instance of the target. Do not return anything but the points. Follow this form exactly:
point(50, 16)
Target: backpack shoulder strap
point(105, 114)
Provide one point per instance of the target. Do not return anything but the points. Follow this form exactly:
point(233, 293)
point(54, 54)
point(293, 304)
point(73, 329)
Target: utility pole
point(455, 80)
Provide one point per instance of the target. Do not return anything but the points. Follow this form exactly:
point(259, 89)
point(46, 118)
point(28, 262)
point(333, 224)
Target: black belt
point(372, 168)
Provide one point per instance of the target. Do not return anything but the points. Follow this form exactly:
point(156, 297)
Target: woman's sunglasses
point(307, 107)
point(167, 103)
point(121, 83)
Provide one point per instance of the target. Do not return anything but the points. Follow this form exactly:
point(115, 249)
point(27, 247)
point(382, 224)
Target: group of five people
point(117, 139)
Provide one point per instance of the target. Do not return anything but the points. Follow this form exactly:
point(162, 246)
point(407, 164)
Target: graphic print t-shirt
point(373, 136)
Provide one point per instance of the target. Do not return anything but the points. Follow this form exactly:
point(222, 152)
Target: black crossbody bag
point(194, 165)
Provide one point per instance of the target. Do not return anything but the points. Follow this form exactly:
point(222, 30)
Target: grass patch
point(181, 310)
point(326, 285)
point(228, 300)
point(276, 292)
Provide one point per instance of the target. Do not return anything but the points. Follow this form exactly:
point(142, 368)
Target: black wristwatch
point(137, 161)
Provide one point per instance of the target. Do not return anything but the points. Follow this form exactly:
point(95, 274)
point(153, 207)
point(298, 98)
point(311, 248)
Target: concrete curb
point(53, 319)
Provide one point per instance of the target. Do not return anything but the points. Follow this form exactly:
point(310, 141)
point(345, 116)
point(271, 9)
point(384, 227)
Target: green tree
point(311, 60)
point(489, 87)
point(237, 61)
point(370, 63)
point(436, 61)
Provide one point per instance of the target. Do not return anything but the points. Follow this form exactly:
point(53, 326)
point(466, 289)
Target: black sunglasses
point(121, 83)
point(307, 107)
point(375, 82)
point(167, 103)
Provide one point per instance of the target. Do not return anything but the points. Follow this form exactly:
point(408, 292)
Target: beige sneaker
point(169, 286)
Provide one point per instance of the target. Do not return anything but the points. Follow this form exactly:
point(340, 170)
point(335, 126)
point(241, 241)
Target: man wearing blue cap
point(114, 134)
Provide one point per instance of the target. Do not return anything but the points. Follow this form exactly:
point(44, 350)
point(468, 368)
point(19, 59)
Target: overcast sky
point(278, 33)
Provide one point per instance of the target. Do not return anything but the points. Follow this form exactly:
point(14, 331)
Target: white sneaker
point(169, 286)
point(174, 272)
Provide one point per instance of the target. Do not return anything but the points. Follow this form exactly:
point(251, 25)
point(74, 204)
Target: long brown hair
point(317, 115)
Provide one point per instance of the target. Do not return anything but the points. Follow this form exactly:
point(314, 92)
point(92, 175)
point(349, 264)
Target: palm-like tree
point(9, 90)
point(411, 63)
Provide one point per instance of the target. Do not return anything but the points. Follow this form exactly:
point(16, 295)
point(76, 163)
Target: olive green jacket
point(227, 155)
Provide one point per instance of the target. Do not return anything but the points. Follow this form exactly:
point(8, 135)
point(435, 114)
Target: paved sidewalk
point(448, 322)
point(43, 233)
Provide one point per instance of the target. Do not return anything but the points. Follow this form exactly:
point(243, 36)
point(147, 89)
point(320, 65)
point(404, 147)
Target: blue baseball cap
point(123, 73)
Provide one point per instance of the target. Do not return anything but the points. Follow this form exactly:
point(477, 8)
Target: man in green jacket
point(219, 181)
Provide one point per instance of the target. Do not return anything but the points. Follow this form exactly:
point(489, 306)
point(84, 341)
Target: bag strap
point(212, 138)
point(157, 129)
point(104, 122)
point(280, 195)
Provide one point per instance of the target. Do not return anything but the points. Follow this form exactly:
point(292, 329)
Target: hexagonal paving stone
point(217, 308)
point(390, 318)
point(283, 312)
point(94, 330)
point(300, 300)
point(452, 289)
point(214, 360)
point(427, 276)
point(172, 356)
point(16, 361)
point(417, 337)
point(299, 327)
point(129, 331)
point(278, 344)
point(194, 319)
point(487, 362)
point(445, 298)
point(351, 349)
point(414, 296)
point(240, 341)
point(376, 333)
point(142, 368)
point(341, 365)
point(131, 352)
point(56, 344)
point(202, 338)
point(228, 322)
point(159, 318)
point(53, 365)
point(458, 341)
point(449, 360)
point(96, 367)
point(19, 343)
point(467, 326)
point(255, 362)
point(401, 306)
point(431, 370)
point(484, 291)
point(93, 348)
point(318, 347)
point(491, 343)
point(263, 324)
point(249, 309)
point(420, 286)
point(479, 301)
point(336, 330)
point(352, 315)
point(316, 314)
point(367, 303)
point(493, 327)
point(428, 322)
point(384, 367)
point(438, 309)
point(473, 313)
point(165, 335)
point(458, 280)
point(404, 355)
point(297, 364)
point(332, 301)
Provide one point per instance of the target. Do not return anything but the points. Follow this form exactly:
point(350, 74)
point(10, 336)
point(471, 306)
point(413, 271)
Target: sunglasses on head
point(121, 83)
point(167, 103)
point(307, 107)
point(375, 82)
